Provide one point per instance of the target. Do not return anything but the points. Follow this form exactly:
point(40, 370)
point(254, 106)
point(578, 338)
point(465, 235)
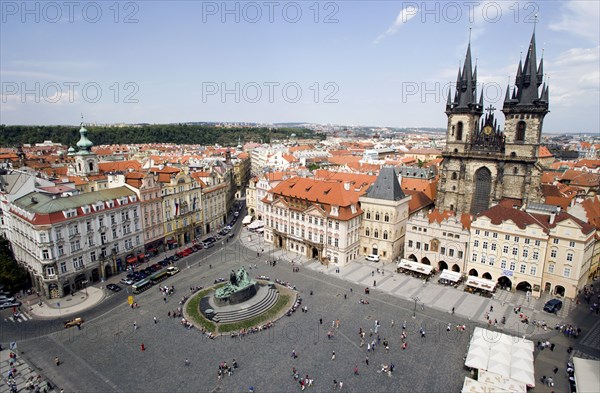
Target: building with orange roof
point(588, 165)
point(259, 188)
point(438, 238)
point(316, 218)
point(536, 248)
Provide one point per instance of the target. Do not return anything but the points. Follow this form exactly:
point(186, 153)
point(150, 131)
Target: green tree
point(12, 275)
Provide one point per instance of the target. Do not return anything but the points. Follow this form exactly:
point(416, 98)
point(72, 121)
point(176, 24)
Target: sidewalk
point(24, 373)
point(68, 305)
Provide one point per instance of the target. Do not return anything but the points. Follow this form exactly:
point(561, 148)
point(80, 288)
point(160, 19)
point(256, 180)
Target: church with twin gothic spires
point(482, 163)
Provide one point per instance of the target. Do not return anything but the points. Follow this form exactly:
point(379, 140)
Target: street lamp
point(416, 299)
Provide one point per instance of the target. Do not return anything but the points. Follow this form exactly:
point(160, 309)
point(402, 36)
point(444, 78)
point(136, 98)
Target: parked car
point(5, 299)
point(231, 234)
point(4, 305)
point(113, 287)
point(164, 262)
point(172, 270)
point(73, 322)
point(208, 245)
point(373, 258)
point(553, 306)
point(157, 266)
point(126, 281)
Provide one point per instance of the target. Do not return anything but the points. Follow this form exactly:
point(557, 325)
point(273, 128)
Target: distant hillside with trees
point(12, 136)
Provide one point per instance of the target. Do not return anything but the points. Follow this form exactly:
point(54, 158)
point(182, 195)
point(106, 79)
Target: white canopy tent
point(481, 283)
point(256, 224)
point(507, 356)
point(247, 220)
point(586, 375)
point(500, 383)
point(415, 266)
point(450, 275)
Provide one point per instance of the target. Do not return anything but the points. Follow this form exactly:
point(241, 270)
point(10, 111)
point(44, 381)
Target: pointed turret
point(481, 97)
point(507, 96)
point(465, 97)
point(529, 77)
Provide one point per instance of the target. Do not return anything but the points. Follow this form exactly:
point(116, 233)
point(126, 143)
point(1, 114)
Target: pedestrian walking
point(341, 385)
point(187, 362)
point(552, 347)
point(448, 328)
point(491, 308)
point(374, 283)
point(367, 360)
point(135, 326)
point(57, 361)
point(320, 321)
point(392, 323)
point(452, 310)
point(143, 347)
point(155, 320)
point(356, 370)
point(333, 355)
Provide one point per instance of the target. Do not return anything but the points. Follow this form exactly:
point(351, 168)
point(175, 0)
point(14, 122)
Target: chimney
point(552, 217)
point(347, 186)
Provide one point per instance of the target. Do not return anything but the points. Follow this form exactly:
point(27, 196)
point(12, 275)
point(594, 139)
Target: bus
point(158, 277)
point(141, 286)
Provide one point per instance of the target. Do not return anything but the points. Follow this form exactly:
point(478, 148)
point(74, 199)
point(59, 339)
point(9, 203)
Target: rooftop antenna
point(470, 28)
point(82, 119)
point(535, 21)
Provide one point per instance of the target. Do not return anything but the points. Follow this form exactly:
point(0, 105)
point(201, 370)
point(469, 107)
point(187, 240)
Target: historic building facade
point(483, 164)
point(385, 210)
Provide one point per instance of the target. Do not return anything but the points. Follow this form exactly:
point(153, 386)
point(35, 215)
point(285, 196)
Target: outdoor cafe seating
point(482, 286)
point(415, 269)
point(449, 277)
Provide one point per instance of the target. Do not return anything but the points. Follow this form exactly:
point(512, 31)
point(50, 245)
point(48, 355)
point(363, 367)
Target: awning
point(247, 220)
point(415, 266)
point(450, 275)
point(256, 224)
point(132, 260)
point(171, 241)
point(141, 256)
point(586, 374)
point(481, 283)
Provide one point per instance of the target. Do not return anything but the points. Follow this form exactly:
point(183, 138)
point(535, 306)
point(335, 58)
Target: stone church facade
point(482, 163)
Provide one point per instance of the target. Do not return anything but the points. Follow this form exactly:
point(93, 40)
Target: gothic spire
point(465, 97)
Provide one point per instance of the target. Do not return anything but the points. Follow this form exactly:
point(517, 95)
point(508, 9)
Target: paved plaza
point(106, 355)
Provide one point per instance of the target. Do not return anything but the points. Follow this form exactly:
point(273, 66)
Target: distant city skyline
point(376, 64)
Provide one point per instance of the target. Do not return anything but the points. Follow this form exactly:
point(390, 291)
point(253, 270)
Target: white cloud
point(407, 13)
point(580, 18)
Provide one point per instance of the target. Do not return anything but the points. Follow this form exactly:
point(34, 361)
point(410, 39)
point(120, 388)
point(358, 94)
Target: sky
point(372, 63)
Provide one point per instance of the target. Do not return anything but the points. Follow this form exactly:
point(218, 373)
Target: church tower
point(482, 164)
point(86, 161)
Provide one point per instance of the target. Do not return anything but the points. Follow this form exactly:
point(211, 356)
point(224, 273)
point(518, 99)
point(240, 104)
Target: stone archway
point(315, 252)
point(473, 272)
point(107, 271)
point(547, 287)
point(504, 282)
point(442, 265)
point(425, 261)
point(412, 257)
point(559, 290)
point(456, 268)
point(524, 286)
point(487, 276)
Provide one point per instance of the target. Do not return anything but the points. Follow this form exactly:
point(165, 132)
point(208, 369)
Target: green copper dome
point(84, 144)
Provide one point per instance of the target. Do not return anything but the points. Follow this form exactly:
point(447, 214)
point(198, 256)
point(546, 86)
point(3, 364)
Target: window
point(368, 215)
point(551, 268)
point(537, 243)
point(320, 238)
point(512, 266)
point(50, 270)
point(418, 245)
point(492, 260)
point(474, 257)
point(483, 259)
point(506, 237)
point(515, 251)
point(454, 176)
point(485, 245)
point(533, 270)
point(443, 251)
point(555, 241)
point(337, 225)
point(63, 267)
point(368, 233)
point(460, 253)
point(336, 242)
point(567, 272)
point(520, 136)
point(476, 243)
point(78, 263)
point(505, 250)
point(329, 240)
point(477, 231)
point(525, 253)
point(61, 251)
point(386, 218)
point(385, 235)
point(503, 264)
point(553, 253)
point(46, 254)
point(493, 246)
point(459, 131)
point(75, 246)
point(426, 246)
point(570, 256)
point(535, 255)
point(516, 239)
point(571, 244)
point(495, 235)
point(93, 256)
point(522, 268)
point(410, 243)
point(527, 241)
point(330, 223)
point(486, 233)
point(73, 230)
point(377, 216)
point(376, 233)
